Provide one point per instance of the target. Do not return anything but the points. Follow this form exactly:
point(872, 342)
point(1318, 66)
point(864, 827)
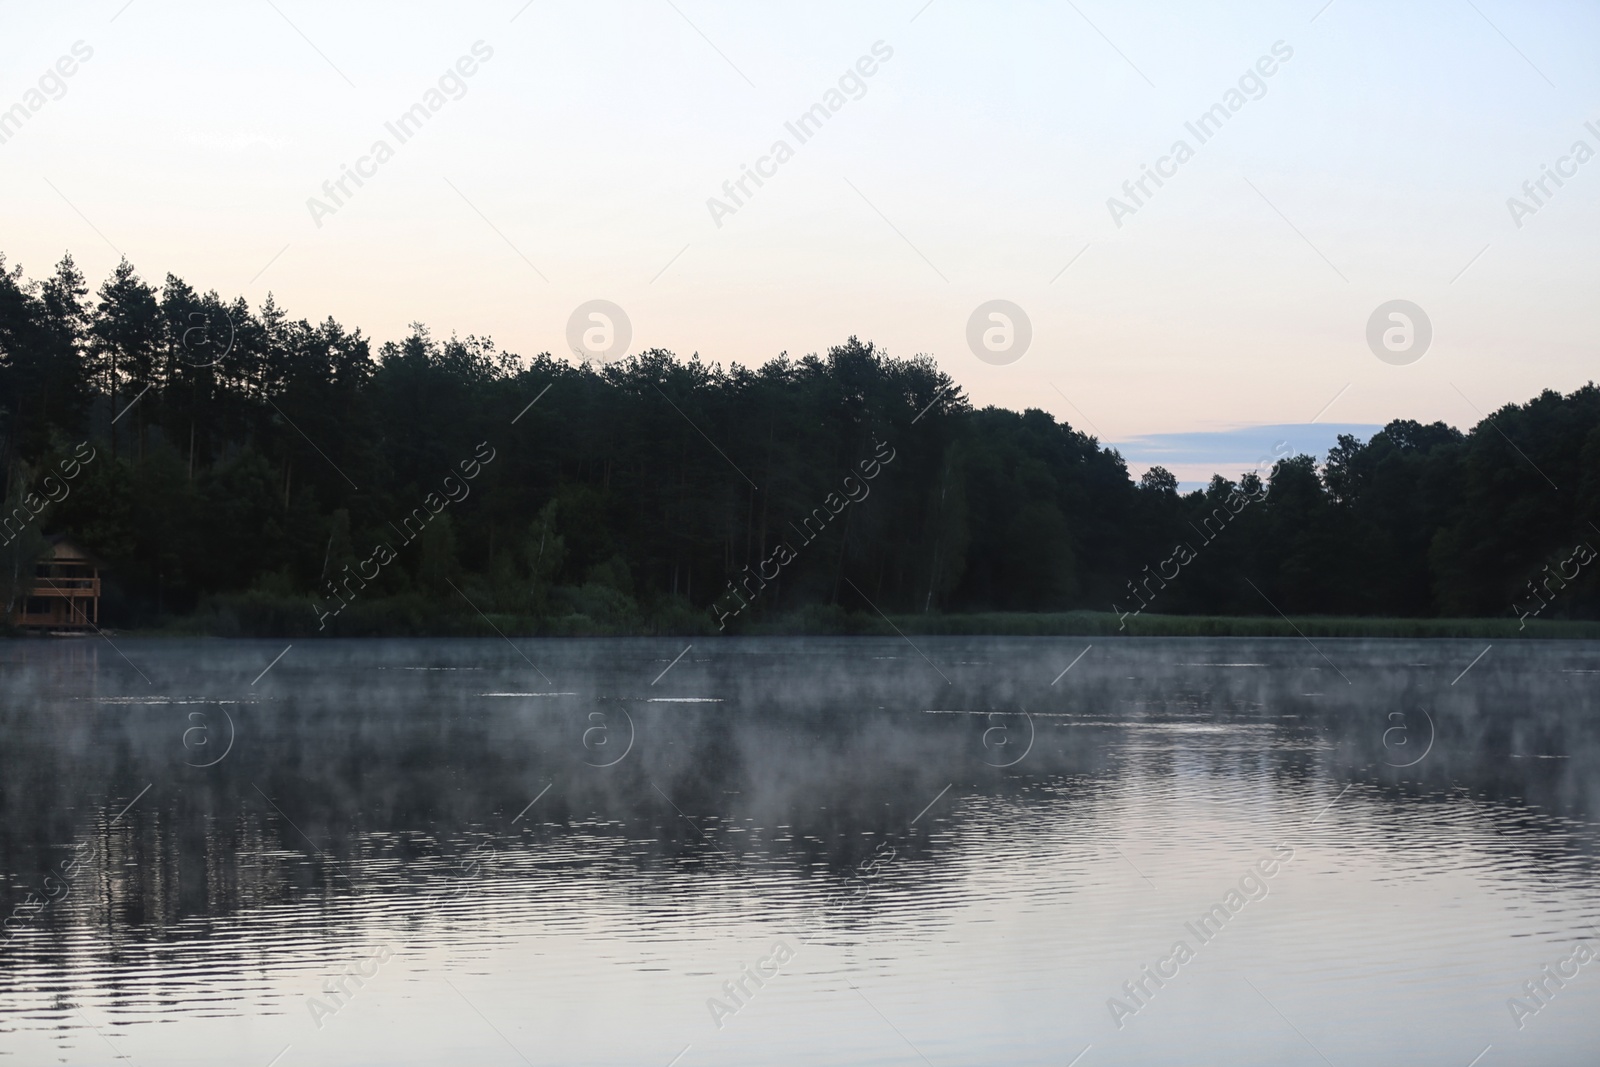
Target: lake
point(801, 851)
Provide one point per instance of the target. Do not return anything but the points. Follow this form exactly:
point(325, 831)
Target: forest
point(238, 471)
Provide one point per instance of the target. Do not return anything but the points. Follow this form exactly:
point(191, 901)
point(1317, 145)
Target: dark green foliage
point(254, 482)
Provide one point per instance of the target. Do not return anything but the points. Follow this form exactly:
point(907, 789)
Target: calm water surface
point(799, 851)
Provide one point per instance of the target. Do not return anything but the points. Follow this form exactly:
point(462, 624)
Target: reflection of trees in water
point(808, 763)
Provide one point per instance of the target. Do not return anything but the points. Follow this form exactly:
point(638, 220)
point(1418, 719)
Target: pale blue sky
point(1195, 455)
point(977, 164)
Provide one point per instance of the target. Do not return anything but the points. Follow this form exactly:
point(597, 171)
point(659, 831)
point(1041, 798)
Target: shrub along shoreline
point(263, 615)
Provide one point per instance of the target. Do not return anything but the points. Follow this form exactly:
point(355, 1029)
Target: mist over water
point(812, 851)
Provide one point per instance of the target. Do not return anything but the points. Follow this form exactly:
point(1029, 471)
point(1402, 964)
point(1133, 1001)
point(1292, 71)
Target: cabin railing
point(50, 586)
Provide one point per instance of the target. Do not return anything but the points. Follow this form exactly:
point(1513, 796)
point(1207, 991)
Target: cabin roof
point(64, 551)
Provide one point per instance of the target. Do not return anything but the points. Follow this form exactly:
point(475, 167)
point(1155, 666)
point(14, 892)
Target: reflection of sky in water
point(367, 802)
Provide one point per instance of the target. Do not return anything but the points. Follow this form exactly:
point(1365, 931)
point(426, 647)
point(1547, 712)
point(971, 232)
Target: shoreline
point(834, 622)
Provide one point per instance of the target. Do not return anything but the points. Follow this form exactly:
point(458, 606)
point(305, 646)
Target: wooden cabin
point(66, 590)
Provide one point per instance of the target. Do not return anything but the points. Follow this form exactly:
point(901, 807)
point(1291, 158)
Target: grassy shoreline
point(256, 616)
point(1091, 623)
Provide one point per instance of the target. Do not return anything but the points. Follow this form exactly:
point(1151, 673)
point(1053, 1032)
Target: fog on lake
point(799, 851)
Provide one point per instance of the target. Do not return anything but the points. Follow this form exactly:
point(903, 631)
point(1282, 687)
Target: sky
point(1359, 153)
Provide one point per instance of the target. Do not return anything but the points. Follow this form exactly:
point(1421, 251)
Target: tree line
point(246, 465)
